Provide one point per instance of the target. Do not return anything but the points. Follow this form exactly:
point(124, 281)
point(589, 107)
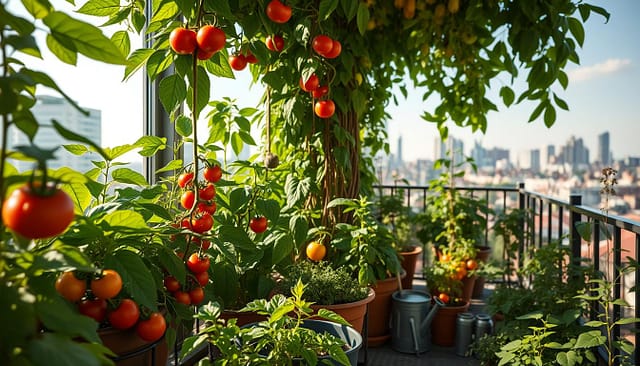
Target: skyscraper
point(49, 108)
point(604, 153)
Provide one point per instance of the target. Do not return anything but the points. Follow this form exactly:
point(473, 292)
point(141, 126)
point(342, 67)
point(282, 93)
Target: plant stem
point(5, 129)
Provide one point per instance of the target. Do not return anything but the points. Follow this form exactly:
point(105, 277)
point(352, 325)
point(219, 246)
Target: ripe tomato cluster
point(326, 47)
point(201, 220)
point(96, 297)
point(204, 43)
point(192, 293)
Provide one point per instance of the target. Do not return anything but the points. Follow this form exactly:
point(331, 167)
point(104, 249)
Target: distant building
point(451, 148)
point(49, 108)
point(604, 152)
point(575, 155)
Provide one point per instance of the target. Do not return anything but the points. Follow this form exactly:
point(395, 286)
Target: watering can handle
point(438, 302)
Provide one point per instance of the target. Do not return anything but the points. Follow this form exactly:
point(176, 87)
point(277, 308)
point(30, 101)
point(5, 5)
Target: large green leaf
point(282, 248)
point(136, 60)
point(87, 39)
point(136, 277)
point(362, 18)
point(56, 314)
point(125, 219)
point(173, 264)
point(173, 91)
point(56, 350)
point(225, 283)
point(326, 8)
point(150, 145)
point(100, 8)
point(237, 236)
point(129, 176)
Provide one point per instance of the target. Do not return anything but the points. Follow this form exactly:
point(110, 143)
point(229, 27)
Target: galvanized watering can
point(411, 315)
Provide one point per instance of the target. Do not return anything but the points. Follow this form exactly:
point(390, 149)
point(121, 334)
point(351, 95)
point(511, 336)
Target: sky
point(602, 96)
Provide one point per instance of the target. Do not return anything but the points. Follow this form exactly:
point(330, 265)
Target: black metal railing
point(555, 219)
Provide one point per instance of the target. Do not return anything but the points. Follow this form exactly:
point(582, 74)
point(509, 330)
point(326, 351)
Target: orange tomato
point(445, 257)
point(444, 298)
point(472, 264)
point(70, 287)
point(107, 286)
point(461, 272)
point(316, 251)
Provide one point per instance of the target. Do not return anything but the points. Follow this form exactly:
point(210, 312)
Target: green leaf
point(270, 208)
point(39, 9)
point(172, 91)
point(174, 265)
point(184, 127)
point(237, 236)
point(507, 95)
point(282, 248)
point(584, 229)
point(87, 39)
point(72, 136)
point(575, 26)
point(326, 8)
point(151, 145)
point(236, 143)
point(168, 10)
point(627, 321)
point(55, 349)
point(25, 44)
point(560, 103)
point(299, 226)
point(218, 65)
point(129, 176)
point(60, 51)
point(100, 8)
point(332, 316)
point(362, 18)
point(57, 315)
point(225, 282)
point(136, 277)
point(122, 41)
point(136, 60)
point(158, 62)
point(590, 339)
point(125, 219)
point(350, 8)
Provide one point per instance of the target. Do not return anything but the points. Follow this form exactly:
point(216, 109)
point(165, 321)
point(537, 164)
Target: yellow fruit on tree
point(316, 251)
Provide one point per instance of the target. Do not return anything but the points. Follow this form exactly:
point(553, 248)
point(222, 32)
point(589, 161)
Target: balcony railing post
point(574, 218)
point(522, 199)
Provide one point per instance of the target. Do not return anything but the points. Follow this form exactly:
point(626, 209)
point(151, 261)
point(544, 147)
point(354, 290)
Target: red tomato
point(275, 43)
point(320, 91)
point(207, 207)
point(198, 264)
point(205, 244)
point(202, 278)
point(183, 41)
point(96, 309)
point(187, 199)
point(70, 287)
point(207, 192)
point(444, 297)
point(171, 284)
point(325, 108)
point(196, 295)
point(202, 222)
point(211, 39)
point(238, 62)
point(203, 55)
point(185, 179)
point(251, 58)
point(36, 216)
point(311, 84)
point(472, 264)
point(108, 285)
point(125, 315)
point(182, 297)
point(322, 44)
point(212, 173)
point(258, 224)
point(335, 50)
point(278, 12)
point(153, 328)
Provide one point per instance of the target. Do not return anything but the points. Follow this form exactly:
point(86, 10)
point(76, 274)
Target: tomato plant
point(324, 108)
point(335, 50)
point(320, 91)
point(202, 222)
point(258, 224)
point(196, 295)
point(171, 284)
point(70, 287)
point(96, 309)
point(275, 43)
point(183, 41)
point(212, 173)
point(185, 179)
point(238, 62)
point(278, 12)
point(182, 297)
point(316, 251)
point(211, 39)
point(322, 44)
point(198, 264)
point(38, 215)
point(108, 285)
point(202, 278)
point(311, 84)
point(125, 315)
point(153, 328)
point(187, 199)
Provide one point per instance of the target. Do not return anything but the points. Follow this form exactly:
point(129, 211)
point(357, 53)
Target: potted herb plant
point(328, 288)
point(287, 336)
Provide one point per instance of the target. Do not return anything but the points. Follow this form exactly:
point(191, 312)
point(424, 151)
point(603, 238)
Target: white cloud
point(610, 66)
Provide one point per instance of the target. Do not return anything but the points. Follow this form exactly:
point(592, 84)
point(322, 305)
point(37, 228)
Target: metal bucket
point(410, 332)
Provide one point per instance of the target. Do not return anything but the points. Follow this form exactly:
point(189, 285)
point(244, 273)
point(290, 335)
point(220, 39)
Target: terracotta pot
point(409, 262)
point(443, 325)
point(483, 255)
point(468, 283)
point(352, 312)
point(378, 331)
point(126, 342)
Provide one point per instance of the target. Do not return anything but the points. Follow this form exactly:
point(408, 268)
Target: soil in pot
point(352, 312)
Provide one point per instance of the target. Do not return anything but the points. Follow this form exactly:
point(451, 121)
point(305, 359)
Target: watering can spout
point(426, 322)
